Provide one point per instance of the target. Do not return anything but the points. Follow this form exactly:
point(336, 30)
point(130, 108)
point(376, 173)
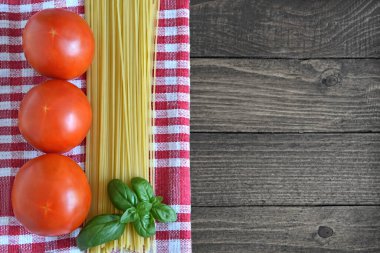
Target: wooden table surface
point(285, 144)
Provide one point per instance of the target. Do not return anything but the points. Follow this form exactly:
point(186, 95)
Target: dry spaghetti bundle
point(120, 91)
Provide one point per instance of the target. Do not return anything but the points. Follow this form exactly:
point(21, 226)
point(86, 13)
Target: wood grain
point(261, 95)
point(286, 229)
point(285, 169)
point(289, 29)
point(285, 153)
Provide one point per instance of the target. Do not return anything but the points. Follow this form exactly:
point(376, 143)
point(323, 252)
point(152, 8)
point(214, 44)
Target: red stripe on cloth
point(8, 114)
point(176, 178)
point(172, 154)
point(6, 48)
point(10, 248)
point(181, 55)
point(11, 32)
point(11, 97)
point(171, 138)
point(183, 217)
point(174, 4)
point(18, 81)
point(172, 72)
point(18, 147)
point(172, 235)
point(5, 193)
point(9, 130)
point(15, 64)
point(168, 122)
point(172, 88)
point(64, 243)
point(10, 230)
point(170, 39)
point(37, 247)
point(166, 105)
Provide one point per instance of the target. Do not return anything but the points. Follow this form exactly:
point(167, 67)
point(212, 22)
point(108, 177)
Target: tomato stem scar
point(46, 208)
point(53, 32)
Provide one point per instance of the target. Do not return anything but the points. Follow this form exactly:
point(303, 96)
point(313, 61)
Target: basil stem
point(130, 215)
point(157, 199)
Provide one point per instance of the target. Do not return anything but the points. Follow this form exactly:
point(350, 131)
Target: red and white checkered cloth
point(171, 130)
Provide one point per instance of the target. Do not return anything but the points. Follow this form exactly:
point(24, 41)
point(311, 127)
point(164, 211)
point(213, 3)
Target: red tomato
point(54, 116)
point(58, 43)
point(51, 195)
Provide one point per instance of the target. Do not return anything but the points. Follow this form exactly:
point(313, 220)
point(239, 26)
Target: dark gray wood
point(261, 95)
point(285, 169)
point(290, 29)
point(278, 163)
point(285, 229)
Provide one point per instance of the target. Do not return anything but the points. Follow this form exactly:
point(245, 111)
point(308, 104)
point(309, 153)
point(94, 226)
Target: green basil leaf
point(130, 215)
point(156, 200)
point(145, 226)
point(163, 213)
point(143, 208)
point(121, 196)
point(99, 230)
point(142, 188)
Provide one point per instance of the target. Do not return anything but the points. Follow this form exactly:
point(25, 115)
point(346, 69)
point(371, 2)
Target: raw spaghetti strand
point(120, 87)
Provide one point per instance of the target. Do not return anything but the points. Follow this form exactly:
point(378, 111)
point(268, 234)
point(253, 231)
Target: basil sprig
point(139, 206)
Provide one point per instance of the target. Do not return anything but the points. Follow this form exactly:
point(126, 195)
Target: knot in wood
point(331, 77)
point(325, 232)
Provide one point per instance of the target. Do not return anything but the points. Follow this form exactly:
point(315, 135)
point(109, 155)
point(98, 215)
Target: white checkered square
point(48, 4)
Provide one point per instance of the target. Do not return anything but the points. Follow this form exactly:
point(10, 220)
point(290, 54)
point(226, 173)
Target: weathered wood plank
point(290, 29)
point(243, 95)
point(286, 229)
point(285, 169)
